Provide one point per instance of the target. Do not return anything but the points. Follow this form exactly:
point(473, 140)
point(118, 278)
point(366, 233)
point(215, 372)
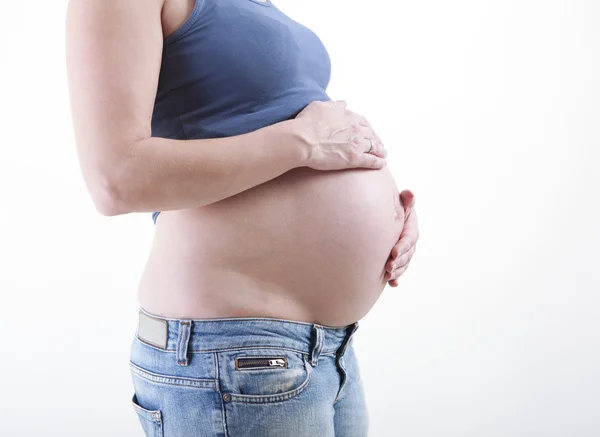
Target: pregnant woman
point(278, 224)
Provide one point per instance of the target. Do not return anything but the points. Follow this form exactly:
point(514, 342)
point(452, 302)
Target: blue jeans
point(255, 377)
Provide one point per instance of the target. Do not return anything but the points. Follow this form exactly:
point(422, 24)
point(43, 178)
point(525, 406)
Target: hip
point(245, 376)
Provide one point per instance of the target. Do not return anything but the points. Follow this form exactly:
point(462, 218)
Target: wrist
point(293, 133)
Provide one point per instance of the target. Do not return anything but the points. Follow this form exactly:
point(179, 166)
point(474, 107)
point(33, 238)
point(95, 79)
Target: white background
point(490, 113)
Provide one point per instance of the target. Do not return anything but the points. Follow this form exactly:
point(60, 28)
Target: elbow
point(114, 185)
point(107, 206)
point(108, 196)
point(108, 172)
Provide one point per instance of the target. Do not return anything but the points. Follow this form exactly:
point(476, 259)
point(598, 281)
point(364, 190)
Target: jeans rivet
point(226, 397)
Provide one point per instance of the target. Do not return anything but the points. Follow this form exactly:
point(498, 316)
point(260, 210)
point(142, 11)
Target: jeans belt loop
point(317, 344)
point(183, 339)
point(350, 330)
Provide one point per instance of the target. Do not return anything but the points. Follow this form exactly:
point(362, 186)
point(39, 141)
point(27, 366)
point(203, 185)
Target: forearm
point(159, 174)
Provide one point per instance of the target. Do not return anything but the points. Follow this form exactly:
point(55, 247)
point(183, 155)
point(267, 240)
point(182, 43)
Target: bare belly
point(309, 245)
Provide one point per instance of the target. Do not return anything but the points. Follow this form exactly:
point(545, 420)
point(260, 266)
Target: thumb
point(408, 199)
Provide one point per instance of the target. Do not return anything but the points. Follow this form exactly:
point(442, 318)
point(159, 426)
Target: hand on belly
point(318, 239)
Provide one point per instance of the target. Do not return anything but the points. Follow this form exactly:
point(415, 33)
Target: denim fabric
point(237, 377)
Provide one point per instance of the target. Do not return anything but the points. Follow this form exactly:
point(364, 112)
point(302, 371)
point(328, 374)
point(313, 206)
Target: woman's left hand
point(404, 249)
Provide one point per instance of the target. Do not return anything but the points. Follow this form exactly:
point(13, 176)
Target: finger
point(341, 103)
point(395, 274)
point(405, 243)
point(362, 121)
point(398, 272)
point(409, 233)
point(389, 274)
point(360, 159)
point(373, 133)
point(401, 269)
point(369, 160)
point(402, 260)
point(411, 226)
point(407, 198)
point(377, 149)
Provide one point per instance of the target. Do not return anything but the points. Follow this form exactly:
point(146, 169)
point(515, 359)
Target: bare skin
point(329, 233)
point(308, 245)
point(304, 244)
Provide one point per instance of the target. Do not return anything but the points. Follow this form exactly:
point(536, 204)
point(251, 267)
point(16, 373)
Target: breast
point(314, 239)
point(278, 66)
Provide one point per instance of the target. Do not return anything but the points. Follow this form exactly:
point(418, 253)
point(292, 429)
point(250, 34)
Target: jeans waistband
point(204, 335)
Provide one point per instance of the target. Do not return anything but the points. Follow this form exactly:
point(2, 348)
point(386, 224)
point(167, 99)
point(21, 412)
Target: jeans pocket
point(263, 375)
point(151, 420)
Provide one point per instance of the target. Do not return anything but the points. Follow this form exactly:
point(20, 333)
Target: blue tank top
point(235, 66)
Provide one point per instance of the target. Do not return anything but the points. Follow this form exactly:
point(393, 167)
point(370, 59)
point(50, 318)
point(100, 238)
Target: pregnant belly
point(309, 245)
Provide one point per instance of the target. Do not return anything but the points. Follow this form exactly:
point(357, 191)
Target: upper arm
point(113, 53)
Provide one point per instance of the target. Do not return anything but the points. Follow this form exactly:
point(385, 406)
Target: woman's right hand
point(338, 138)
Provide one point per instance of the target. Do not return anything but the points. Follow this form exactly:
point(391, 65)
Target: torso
point(308, 245)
